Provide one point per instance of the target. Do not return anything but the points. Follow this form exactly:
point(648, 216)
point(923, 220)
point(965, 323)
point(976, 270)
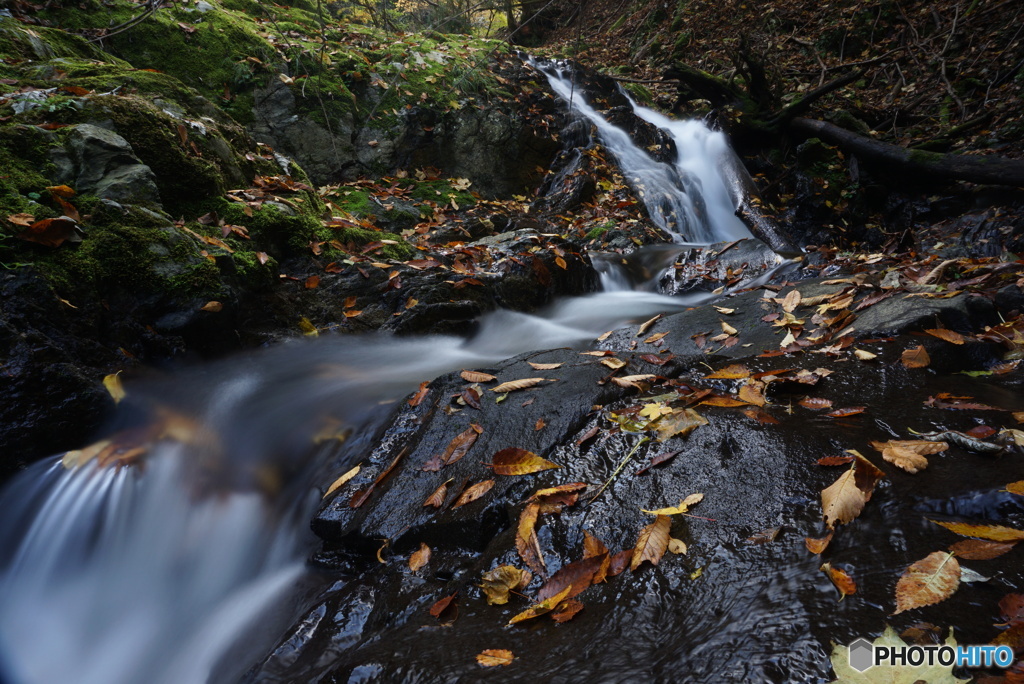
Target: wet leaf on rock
point(840, 579)
point(492, 657)
point(567, 610)
point(946, 335)
point(342, 480)
point(476, 376)
point(834, 460)
point(541, 608)
point(526, 539)
point(436, 499)
point(846, 412)
point(544, 366)
point(114, 387)
point(513, 385)
point(575, 576)
point(446, 608)
point(515, 461)
point(815, 403)
point(678, 423)
point(683, 507)
point(473, 493)
point(915, 357)
point(652, 543)
point(997, 533)
point(419, 558)
point(760, 416)
point(844, 499)
point(502, 581)
point(928, 581)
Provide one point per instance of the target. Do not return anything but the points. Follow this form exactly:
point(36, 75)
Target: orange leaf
point(997, 533)
point(456, 449)
point(515, 461)
point(212, 306)
point(652, 542)
point(437, 498)
point(419, 558)
point(312, 282)
point(473, 493)
point(815, 403)
point(495, 656)
point(752, 393)
point(420, 395)
point(736, 371)
point(526, 539)
point(834, 460)
point(61, 191)
point(760, 416)
point(979, 549)
point(909, 454)
point(841, 579)
point(567, 610)
point(928, 581)
point(52, 232)
point(947, 335)
point(816, 546)
point(538, 609)
point(915, 357)
point(727, 402)
point(846, 412)
point(441, 607)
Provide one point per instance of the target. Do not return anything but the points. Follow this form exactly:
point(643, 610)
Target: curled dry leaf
point(864, 355)
point(929, 580)
point(980, 549)
point(492, 657)
point(840, 579)
point(541, 608)
point(652, 543)
point(513, 385)
point(817, 546)
point(655, 338)
point(342, 480)
point(997, 533)
point(419, 558)
point(437, 498)
point(473, 493)
point(544, 366)
point(515, 461)
point(501, 581)
point(728, 329)
point(915, 357)
point(909, 454)
point(476, 376)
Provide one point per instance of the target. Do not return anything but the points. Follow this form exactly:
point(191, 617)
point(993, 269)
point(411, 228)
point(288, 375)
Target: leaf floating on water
point(500, 582)
point(419, 558)
point(683, 507)
point(947, 335)
point(844, 499)
point(760, 416)
point(916, 357)
point(678, 423)
point(846, 412)
point(980, 549)
point(834, 460)
point(909, 454)
point(567, 610)
point(817, 546)
point(342, 480)
point(542, 608)
point(928, 581)
point(476, 376)
point(764, 536)
point(544, 366)
point(892, 674)
point(113, 384)
point(652, 543)
point(473, 493)
point(997, 533)
point(445, 608)
point(492, 657)
point(815, 403)
point(513, 385)
point(726, 402)
point(515, 461)
point(840, 579)
point(576, 576)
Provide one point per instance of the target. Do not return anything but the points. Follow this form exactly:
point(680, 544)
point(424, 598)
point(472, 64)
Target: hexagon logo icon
point(861, 655)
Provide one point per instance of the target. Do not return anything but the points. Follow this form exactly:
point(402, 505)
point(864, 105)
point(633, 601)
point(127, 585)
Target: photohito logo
point(864, 655)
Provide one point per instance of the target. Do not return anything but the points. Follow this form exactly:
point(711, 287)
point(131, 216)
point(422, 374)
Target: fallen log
point(990, 170)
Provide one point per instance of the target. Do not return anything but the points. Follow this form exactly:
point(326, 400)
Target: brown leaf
point(817, 546)
point(947, 335)
point(476, 376)
point(1011, 608)
point(51, 232)
point(736, 371)
point(815, 403)
point(841, 579)
point(473, 493)
point(760, 416)
point(513, 385)
point(539, 425)
point(764, 536)
point(24, 220)
point(678, 423)
point(657, 359)
point(420, 395)
point(437, 498)
point(909, 454)
point(312, 282)
point(753, 393)
point(515, 461)
point(492, 657)
point(212, 307)
point(791, 301)
point(567, 610)
point(997, 533)
point(541, 608)
point(360, 497)
point(526, 539)
point(619, 562)
point(544, 366)
point(655, 338)
point(928, 581)
point(727, 402)
point(652, 542)
point(659, 459)
point(846, 412)
point(592, 546)
point(419, 558)
point(915, 357)
point(575, 576)
point(1014, 638)
point(980, 549)
point(613, 362)
point(834, 460)
point(445, 607)
point(844, 499)
point(501, 581)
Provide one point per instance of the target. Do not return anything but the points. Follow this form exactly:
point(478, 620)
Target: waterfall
point(163, 570)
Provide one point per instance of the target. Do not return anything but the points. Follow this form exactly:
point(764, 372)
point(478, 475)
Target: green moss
point(441, 191)
point(598, 231)
point(253, 273)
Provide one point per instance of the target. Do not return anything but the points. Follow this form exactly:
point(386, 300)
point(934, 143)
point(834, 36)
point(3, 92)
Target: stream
point(189, 565)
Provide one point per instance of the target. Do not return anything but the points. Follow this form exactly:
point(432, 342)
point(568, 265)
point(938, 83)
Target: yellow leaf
point(341, 480)
point(728, 329)
point(613, 362)
point(997, 533)
point(495, 656)
point(476, 376)
point(909, 454)
point(544, 366)
point(735, 371)
point(683, 507)
point(307, 327)
point(501, 581)
point(676, 546)
point(864, 355)
point(514, 461)
point(652, 543)
point(538, 609)
point(113, 384)
point(678, 423)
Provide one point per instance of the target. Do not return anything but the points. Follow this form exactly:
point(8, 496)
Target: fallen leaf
point(420, 395)
point(752, 393)
point(834, 460)
point(728, 329)
point(946, 335)
point(51, 232)
point(928, 581)
point(495, 656)
point(846, 412)
point(23, 220)
point(212, 307)
point(652, 542)
point(114, 387)
point(864, 355)
point(500, 582)
point(1011, 608)
point(456, 449)
point(312, 282)
point(980, 549)
point(659, 459)
point(441, 607)
point(419, 558)
point(567, 610)
point(678, 423)
point(655, 338)
point(727, 402)
point(760, 416)
point(575, 577)
point(541, 608)
point(844, 499)
point(515, 461)
point(840, 579)
point(892, 674)
point(342, 480)
point(527, 543)
point(909, 454)
point(475, 376)
point(473, 493)
point(815, 403)
point(646, 325)
point(436, 499)
point(513, 385)
point(997, 533)
point(613, 362)
point(817, 546)
point(632, 380)
point(676, 546)
point(1015, 487)
point(791, 301)
point(544, 366)
point(683, 507)
point(915, 357)
point(764, 536)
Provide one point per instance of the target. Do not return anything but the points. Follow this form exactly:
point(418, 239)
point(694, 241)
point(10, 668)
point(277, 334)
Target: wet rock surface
point(734, 607)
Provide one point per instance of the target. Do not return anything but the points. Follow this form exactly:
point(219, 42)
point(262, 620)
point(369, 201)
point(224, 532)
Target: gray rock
point(102, 163)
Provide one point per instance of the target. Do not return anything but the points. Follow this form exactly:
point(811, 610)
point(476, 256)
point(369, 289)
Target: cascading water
point(158, 572)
